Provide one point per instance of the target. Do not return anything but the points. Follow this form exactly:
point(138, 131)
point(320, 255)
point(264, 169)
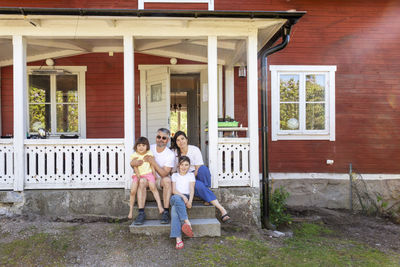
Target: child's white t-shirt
point(194, 154)
point(183, 182)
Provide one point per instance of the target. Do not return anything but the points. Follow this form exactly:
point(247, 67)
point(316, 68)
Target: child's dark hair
point(182, 159)
point(142, 140)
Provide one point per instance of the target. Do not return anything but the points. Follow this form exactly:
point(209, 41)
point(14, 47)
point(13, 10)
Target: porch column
point(129, 108)
point(220, 93)
point(252, 105)
point(212, 109)
point(229, 92)
point(20, 84)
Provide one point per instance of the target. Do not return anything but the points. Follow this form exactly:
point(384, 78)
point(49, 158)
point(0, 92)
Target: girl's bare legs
point(132, 198)
point(156, 195)
point(218, 206)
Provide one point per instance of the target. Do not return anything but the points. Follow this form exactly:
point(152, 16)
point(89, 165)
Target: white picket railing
point(6, 164)
point(74, 163)
point(233, 162)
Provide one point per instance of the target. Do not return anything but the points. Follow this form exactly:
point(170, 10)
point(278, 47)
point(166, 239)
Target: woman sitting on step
point(179, 144)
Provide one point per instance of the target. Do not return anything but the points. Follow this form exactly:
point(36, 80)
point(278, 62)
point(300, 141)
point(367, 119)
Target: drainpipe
point(263, 54)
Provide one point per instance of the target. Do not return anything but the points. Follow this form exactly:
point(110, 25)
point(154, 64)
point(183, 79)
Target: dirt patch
point(377, 232)
point(109, 243)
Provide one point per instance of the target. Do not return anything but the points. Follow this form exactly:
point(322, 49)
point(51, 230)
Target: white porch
point(104, 163)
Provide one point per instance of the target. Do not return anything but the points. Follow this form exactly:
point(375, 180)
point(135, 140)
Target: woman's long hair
point(173, 142)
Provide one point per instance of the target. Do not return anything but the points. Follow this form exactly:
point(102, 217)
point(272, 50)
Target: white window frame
point(302, 70)
point(209, 2)
point(80, 71)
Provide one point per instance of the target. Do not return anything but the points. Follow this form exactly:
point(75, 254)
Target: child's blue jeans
point(178, 215)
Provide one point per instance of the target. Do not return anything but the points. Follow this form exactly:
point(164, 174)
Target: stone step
point(201, 227)
point(197, 211)
point(150, 196)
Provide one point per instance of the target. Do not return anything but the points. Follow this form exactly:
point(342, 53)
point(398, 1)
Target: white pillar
point(20, 95)
point(252, 105)
point(229, 92)
point(212, 109)
point(129, 105)
point(220, 93)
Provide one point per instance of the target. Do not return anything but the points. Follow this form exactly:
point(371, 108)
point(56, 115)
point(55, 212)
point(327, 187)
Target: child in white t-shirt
point(183, 192)
point(146, 171)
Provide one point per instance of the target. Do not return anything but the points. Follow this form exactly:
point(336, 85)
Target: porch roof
point(169, 33)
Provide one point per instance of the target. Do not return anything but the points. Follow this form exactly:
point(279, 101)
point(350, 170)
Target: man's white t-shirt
point(183, 182)
point(163, 159)
point(194, 154)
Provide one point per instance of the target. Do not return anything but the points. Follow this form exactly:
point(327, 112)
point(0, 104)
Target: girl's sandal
point(225, 218)
point(187, 230)
point(179, 245)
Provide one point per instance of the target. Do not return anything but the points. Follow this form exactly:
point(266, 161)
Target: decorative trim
point(329, 176)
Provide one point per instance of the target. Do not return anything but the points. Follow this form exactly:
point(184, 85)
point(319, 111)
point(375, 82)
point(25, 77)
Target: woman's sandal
point(187, 230)
point(179, 245)
point(206, 203)
point(225, 218)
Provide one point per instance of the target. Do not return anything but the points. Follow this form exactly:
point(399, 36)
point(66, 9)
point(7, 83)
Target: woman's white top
point(183, 182)
point(194, 154)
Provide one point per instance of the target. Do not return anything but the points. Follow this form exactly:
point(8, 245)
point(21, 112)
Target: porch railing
point(6, 164)
point(233, 162)
point(74, 163)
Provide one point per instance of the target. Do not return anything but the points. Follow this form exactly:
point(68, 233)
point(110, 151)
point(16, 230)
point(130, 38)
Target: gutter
point(267, 50)
point(25, 11)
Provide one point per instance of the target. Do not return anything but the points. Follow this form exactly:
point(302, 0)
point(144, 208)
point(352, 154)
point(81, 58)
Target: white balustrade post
point(20, 95)
point(252, 105)
point(229, 92)
point(129, 108)
point(213, 110)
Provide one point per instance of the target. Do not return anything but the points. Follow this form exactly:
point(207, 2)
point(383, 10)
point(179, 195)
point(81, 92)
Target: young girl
point(144, 171)
point(183, 192)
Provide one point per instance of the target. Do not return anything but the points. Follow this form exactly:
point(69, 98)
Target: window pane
point(289, 116)
point(39, 117)
point(67, 89)
point(39, 88)
point(67, 118)
point(289, 88)
point(315, 87)
point(315, 116)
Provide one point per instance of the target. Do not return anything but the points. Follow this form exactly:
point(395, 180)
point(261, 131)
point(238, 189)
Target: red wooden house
point(107, 72)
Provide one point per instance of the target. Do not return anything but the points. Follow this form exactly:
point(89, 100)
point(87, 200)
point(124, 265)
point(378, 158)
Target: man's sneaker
point(140, 218)
point(165, 217)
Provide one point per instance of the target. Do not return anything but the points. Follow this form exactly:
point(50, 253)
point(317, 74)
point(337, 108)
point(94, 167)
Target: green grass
point(312, 245)
point(38, 249)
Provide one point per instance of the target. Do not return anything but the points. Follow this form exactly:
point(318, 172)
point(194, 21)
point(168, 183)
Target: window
point(56, 100)
point(303, 102)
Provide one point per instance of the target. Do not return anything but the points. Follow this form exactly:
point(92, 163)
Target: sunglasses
point(161, 137)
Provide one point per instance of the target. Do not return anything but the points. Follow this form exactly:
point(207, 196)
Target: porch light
point(242, 71)
point(173, 61)
point(49, 62)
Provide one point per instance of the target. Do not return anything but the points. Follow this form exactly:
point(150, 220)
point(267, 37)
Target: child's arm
point(189, 204)
point(153, 171)
point(136, 169)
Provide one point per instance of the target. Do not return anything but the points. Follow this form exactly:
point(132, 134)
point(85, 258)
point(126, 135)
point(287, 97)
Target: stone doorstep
point(150, 197)
point(197, 211)
point(201, 227)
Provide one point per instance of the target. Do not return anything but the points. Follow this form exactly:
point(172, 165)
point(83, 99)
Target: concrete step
point(201, 227)
point(197, 211)
point(150, 196)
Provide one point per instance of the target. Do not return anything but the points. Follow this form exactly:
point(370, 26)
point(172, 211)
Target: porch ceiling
point(45, 41)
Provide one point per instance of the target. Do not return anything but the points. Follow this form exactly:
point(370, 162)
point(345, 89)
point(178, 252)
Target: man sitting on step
point(163, 162)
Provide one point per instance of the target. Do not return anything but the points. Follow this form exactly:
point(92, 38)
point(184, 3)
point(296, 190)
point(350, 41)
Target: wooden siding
point(104, 92)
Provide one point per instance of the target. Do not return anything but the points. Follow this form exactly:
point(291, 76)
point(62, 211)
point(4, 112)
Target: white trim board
point(329, 176)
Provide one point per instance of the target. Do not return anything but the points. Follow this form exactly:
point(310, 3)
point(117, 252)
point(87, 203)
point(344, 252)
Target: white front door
point(157, 101)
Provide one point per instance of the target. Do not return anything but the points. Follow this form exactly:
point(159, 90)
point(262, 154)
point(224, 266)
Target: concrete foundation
point(334, 193)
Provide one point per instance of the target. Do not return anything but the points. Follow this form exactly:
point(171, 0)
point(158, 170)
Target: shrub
point(277, 207)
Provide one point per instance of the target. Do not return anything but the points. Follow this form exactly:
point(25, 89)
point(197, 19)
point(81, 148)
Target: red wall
point(362, 38)
point(104, 92)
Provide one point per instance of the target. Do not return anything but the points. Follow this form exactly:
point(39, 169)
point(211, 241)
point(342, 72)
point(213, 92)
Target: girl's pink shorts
point(150, 177)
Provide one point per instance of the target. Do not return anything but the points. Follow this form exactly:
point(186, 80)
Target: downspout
point(263, 54)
